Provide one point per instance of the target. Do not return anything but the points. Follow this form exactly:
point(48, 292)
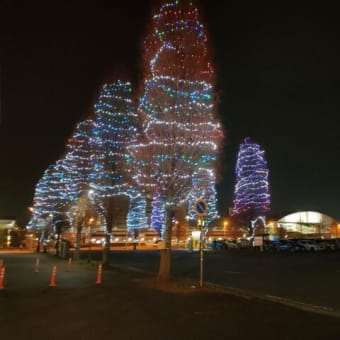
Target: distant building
point(5, 229)
point(307, 224)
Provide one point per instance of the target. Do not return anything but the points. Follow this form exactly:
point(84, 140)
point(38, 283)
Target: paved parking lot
point(307, 280)
point(130, 305)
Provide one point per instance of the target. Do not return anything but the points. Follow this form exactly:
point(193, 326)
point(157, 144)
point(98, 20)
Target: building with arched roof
point(307, 224)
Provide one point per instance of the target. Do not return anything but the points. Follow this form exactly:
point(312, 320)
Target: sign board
point(258, 241)
point(201, 207)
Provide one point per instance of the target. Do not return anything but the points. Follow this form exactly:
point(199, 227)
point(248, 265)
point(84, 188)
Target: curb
point(277, 299)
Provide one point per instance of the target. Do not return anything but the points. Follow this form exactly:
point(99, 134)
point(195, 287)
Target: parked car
point(332, 244)
point(223, 244)
point(321, 243)
point(284, 245)
point(219, 245)
point(311, 245)
point(298, 247)
point(243, 243)
point(231, 244)
point(269, 245)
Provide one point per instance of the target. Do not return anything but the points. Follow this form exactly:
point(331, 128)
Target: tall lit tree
point(115, 126)
point(251, 195)
point(181, 135)
point(77, 159)
point(77, 171)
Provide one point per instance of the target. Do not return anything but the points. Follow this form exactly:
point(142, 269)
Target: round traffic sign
point(201, 207)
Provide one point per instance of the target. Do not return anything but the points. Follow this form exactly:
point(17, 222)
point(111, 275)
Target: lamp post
point(225, 224)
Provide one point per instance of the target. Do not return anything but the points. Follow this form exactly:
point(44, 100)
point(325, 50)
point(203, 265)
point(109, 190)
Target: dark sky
point(278, 80)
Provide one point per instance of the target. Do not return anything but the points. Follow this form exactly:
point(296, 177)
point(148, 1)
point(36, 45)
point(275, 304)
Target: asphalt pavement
point(128, 304)
point(305, 280)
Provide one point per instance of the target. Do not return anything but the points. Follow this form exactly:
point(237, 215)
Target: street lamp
point(225, 224)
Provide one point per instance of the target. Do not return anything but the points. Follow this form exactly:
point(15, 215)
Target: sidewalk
point(130, 305)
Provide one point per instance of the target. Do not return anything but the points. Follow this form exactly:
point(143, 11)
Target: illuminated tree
point(77, 160)
point(203, 185)
point(251, 195)
point(181, 135)
point(77, 171)
point(51, 196)
point(115, 126)
point(51, 200)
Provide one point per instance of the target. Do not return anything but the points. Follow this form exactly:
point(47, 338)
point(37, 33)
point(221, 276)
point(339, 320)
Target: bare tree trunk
point(165, 260)
point(78, 240)
point(109, 221)
point(106, 249)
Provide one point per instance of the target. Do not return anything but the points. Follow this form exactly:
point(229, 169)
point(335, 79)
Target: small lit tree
point(51, 200)
point(251, 195)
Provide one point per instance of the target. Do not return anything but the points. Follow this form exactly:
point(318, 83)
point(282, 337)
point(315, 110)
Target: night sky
point(278, 81)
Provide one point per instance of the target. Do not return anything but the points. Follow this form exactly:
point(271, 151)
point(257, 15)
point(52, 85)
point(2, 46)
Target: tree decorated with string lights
point(51, 200)
point(115, 126)
point(251, 194)
point(51, 196)
point(76, 163)
point(181, 135)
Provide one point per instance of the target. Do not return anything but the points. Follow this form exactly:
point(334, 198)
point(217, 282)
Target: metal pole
point(89, 240)
point(201, 252)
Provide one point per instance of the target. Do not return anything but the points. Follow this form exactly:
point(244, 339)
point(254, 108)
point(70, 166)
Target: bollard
point(36, 265)
point(99, 274)
point(53, 276)
point(2, 277)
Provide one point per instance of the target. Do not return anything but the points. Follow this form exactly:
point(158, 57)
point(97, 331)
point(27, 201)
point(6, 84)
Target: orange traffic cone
point(53, 276)
point(2, 277)
point(36, 265)
point(99, 274)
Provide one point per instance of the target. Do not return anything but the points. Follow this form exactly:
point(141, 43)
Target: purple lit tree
point(251, 195)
